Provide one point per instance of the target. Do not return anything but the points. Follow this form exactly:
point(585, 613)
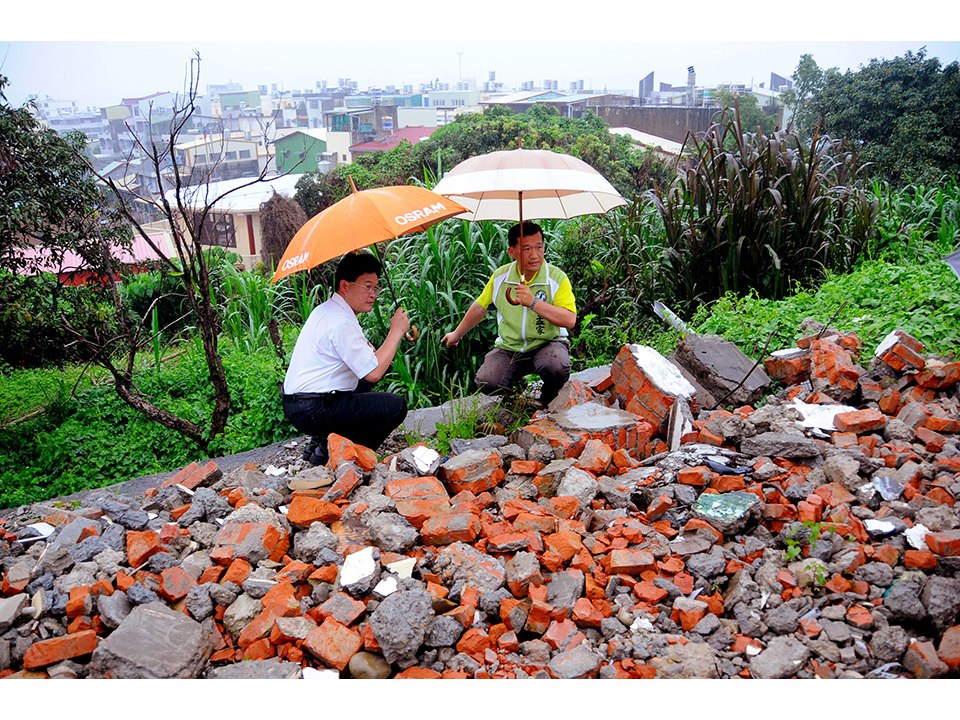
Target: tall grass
point(758, 212)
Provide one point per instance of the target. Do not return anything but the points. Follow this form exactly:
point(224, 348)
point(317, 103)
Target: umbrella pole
point(415, 333)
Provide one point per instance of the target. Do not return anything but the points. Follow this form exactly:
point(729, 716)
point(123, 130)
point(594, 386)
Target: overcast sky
point(602, 43)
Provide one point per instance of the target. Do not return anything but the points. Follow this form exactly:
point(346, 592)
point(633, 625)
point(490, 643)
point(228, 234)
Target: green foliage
point(758, 213)
point(922, 300)
point(629, 169)
point(903, 114)
point(32, 308)
point(95, 439)
point(437, 275)
point(753, 116)
point(808, 79)
point(48, 197)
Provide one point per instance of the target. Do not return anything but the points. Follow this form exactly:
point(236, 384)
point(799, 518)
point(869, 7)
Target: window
point(218, 230)
point(244, 154)
point(200, 159)
point(232, 155)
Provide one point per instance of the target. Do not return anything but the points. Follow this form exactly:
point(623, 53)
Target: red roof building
point(412, 135)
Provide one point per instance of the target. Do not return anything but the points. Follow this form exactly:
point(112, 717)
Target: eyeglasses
point(371, 289)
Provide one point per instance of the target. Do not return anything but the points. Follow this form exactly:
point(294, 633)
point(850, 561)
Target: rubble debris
point(625, 532)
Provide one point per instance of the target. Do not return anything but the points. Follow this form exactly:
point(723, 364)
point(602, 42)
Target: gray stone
point(198, 601)
point(114, 608)
point(10, 608)
point(615, 497)
point(889, 643)
point(843, 469)
point(875, 573)
point(783, 658)
point(580, 662)
point(941, 598)
point(461, 562)
point(241, 613)
point(740, 589)
point(270, 669)
point(70, 533)
point(703, 565)
point(720, 366)
point(779, 444)
point(138, 594)
point(57, 560)
point(424, 421)
point(836, 631)
point(903, 601)
point(691, 661)
point(749, 620)
point(392, 532)
point(400, 624)
point(565, 588)
point(153, 642)
point(307, 545)
point(444, 631)
point(579, 484)
point(782, 620)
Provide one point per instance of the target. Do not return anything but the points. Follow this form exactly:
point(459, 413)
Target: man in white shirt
point(327, 386)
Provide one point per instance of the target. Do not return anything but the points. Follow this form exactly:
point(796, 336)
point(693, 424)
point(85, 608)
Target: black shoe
point(318, 457)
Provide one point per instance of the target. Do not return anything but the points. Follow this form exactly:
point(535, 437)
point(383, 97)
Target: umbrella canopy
point(549, 185)
point(362, 219)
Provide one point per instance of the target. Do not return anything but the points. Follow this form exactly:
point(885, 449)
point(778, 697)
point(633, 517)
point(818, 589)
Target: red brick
point(450, 528)
point(942, 424)
point(275, 542)
point(949, 650)
point(305, 511)
point(474, 642)
point(419, 498)
point(945, 544)
point(630, 562)
point(939, 377)
point(418, 673)
point(58, 649)
point(175, 583)
point(922, 559)
point(333, 643)
point(650, 593)
point(476, 477)
point(698, 476)
point(141, 546)
point(596, 457)
point(860, 421)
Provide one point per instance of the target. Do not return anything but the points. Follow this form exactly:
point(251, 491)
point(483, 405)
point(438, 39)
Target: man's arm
point(561, 317)
point(399, 324)
point(475, 313)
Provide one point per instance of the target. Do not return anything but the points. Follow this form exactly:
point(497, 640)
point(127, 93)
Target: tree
point(280, 218)
point(808, 80)
point(751, 114)
point(189, 210)
point(901, 114)
point(47, 197)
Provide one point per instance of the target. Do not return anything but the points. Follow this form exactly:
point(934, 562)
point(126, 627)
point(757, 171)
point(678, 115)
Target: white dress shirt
point(331, 352)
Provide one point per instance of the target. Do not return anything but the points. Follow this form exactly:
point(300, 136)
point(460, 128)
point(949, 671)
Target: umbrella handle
point(511, 300)
point(413, 334)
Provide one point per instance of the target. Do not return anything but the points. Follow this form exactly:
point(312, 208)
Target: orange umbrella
point(362, 219)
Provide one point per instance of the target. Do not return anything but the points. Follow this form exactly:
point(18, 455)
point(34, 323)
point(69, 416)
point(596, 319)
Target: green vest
point(519, 328)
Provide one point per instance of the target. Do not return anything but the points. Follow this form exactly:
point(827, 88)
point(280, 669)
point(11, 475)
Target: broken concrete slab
point(153, 642)
point(723, 369)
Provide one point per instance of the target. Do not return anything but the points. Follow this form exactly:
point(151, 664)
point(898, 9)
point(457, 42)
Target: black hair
point(529, 228)
point(355, 264)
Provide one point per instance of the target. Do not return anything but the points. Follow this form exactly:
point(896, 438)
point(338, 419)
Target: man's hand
point(400, 322)
point(451, 338)
point(524, 295)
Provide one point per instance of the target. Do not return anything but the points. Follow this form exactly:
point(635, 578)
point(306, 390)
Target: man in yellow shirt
point(534, 314)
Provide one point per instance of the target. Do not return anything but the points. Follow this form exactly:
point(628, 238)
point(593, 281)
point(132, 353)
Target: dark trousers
point(502, 369)
point(364, 417)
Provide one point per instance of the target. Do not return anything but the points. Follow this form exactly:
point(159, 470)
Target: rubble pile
point(628, 531)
